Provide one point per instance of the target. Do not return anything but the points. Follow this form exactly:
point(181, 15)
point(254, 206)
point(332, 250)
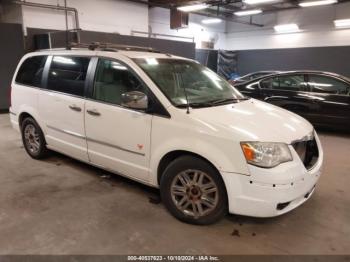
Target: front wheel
point(193, 191)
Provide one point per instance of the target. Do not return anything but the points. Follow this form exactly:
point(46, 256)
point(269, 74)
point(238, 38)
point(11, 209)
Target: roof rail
point(112, 47)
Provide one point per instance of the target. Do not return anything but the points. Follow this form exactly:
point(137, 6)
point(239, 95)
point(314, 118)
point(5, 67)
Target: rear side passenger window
point(31, 71)
point(328, 85)
point(67, 74)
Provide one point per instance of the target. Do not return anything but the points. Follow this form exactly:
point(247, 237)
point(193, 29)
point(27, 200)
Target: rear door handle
point(75, 108)
point(93, 112)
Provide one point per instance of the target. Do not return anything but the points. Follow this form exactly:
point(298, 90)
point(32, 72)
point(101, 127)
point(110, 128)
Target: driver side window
point(270, 83)
point(113, 79)
point(285, 83)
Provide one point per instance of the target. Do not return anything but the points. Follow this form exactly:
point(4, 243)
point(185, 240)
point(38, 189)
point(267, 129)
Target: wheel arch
point(172, 155)
point(23, 116)
point(29, 111)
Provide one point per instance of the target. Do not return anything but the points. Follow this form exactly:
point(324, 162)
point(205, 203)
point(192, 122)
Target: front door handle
point(75, 108)
point(93, 112)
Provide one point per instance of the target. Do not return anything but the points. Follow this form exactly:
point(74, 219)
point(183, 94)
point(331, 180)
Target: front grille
point(307, 151)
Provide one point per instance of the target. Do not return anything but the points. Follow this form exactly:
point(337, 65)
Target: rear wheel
point(193, 191)
point(33, 139)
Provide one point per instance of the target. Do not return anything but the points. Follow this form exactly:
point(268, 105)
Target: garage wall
point(10, 13)
point(58, 39)
point(332, 59)
point(316, 24)
point(163, 45)
point(11, 50)
point(103, 15)
point(116, 16)
point(208, 58)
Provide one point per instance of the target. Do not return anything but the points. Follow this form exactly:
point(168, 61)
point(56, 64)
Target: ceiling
point(224, 9)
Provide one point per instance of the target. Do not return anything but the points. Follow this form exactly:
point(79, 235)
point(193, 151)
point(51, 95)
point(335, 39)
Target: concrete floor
point(62, 206)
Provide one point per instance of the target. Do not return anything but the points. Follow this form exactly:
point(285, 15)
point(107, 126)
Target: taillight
point(9, 96)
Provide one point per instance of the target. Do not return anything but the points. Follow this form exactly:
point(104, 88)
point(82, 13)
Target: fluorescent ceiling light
point(342, 23)
point(190, 8)
point(286, 28)
point(211, 21)
point(248, 12)
point(316, 3)
point(256, 2)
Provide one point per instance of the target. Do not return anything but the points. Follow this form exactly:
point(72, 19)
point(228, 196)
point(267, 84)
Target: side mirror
point(135, 100)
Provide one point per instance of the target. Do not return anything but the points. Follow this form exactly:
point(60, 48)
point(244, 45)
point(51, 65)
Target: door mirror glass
point(135, 100)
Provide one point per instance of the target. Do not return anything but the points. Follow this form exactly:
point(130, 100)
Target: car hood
point(253, 120)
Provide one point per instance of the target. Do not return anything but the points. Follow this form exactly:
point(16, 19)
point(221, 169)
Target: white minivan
point(167, 122)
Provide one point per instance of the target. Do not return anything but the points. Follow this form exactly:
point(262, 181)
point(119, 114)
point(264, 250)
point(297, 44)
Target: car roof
point(319, 72)
point(300, 72)
point(260, 72)
point(108, 53)
point(265, 71)
point(309, 72)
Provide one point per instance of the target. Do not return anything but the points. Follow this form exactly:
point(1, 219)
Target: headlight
point(265, 154)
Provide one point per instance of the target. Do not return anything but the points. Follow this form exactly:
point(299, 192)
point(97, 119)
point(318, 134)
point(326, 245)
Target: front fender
point(225, 154)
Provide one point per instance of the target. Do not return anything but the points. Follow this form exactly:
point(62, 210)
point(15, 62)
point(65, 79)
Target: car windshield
point(179, 78)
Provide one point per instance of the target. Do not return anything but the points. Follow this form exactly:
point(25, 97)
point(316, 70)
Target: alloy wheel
point(194, 193)
point(32, 138)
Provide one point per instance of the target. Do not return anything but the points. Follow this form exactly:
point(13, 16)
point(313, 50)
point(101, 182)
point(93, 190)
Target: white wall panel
point(103, 15)
point(316, 24)
point(122, 17)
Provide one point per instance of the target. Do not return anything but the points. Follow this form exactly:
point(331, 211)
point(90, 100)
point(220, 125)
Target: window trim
point(330, 76)
point(151, 96)
point(42, 76)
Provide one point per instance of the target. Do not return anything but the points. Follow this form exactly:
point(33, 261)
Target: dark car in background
point(252, 76)
point(322, 98)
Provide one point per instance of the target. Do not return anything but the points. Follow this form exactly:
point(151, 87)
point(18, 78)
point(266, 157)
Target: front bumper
point(275, 191)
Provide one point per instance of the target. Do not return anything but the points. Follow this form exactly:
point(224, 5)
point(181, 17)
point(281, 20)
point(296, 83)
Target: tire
point(33, 139)
point(193, 191)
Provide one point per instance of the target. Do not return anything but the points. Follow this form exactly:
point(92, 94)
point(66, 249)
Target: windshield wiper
point(226, 100)
point(212, 103)
point(196, 104)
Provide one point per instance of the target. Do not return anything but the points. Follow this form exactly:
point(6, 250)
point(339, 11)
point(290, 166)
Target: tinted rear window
point(329, 85)
point(31, 71)
point(67, 74)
